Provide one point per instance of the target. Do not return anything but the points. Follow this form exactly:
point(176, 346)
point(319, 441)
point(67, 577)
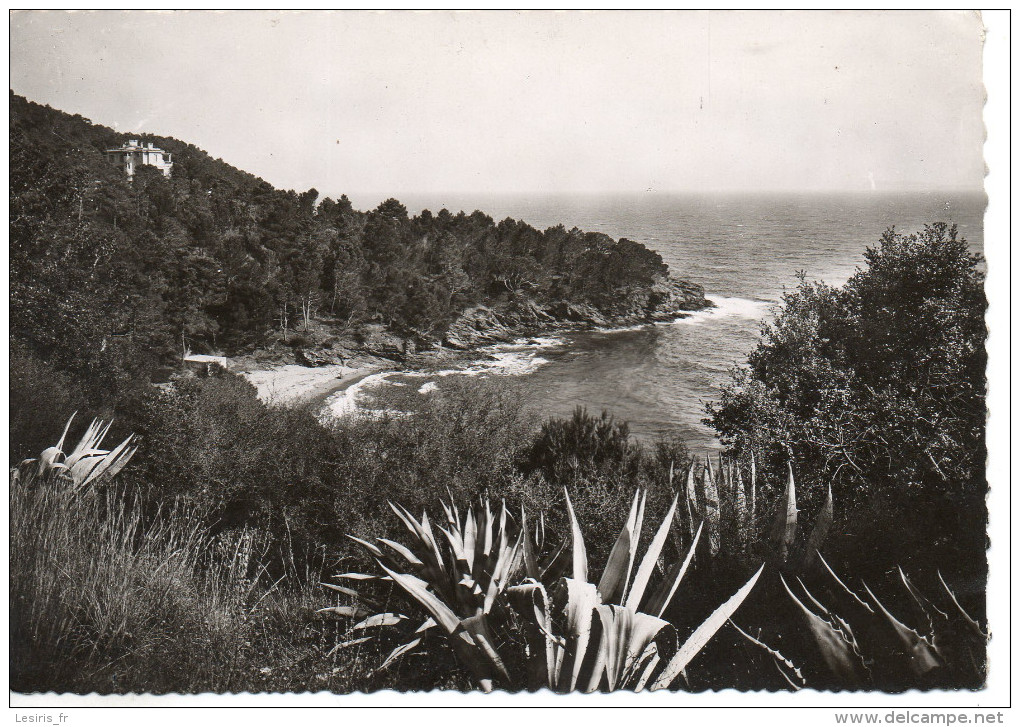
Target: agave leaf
point(356, 576)
point(111, 463)
point(754, 486)
point(418, 590)
point(341, 589)
point(48, 460)
point(367, 546)
point(580, 559)
point(426, 625)
point(530, 562)
point(404, 517)
point(626, 636)
point(614, 578)
point(787, 669)
point(924, 657)
point(481, 656)
point(817, 604)
point(820, 531)
point(63, 436)
point(456, 548)
point(687, 495)
point(89, 443)
point(532, 603)
point(644, 572)
point(842, 585)
point(448, 512)
point(836, 622)
point(346, 611)
point(83, 467)
point(836, 651)
point(922, 606)
point(602, 641)
point(380, 619)
point(577, 610)
point(712, 515)
point(86, 442)
point(646, 674)
point(701, 636)
point(120, 459)
point(974, 625)
point(483, 543)
point(785, 529)
point(347, 644)
point(470, 537)
point(659, 602)
point(500, 572)
point(740, 500)
point(403, 551)
point(556, 565)
point(613, 583)
point(399, 652)
point(692, 495)
point(429, 552)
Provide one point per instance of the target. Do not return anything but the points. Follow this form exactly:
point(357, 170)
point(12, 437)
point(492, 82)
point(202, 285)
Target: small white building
point(132, 155)
point(205, 365)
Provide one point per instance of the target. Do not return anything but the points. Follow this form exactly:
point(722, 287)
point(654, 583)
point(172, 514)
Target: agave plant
point(577, 635)
point(86, 464)
point(459, 581)
point(855, 641)
point(728, 506)
point(862, 644)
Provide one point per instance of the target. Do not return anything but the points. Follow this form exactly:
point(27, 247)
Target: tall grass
point(106, 598)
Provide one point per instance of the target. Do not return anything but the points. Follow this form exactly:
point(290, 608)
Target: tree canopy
point(110, 277)
point(878, 387)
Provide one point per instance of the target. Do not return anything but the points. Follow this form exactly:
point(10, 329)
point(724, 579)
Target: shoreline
point(282, 383)
point(294, 384)
point(290, 384)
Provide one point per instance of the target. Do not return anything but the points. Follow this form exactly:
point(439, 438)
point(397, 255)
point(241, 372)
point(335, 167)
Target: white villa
point(132, 155)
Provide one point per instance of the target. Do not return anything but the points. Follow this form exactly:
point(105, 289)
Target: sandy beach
point(292, 383)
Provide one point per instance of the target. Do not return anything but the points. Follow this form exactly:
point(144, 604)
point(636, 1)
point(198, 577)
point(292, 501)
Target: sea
point(746, 250)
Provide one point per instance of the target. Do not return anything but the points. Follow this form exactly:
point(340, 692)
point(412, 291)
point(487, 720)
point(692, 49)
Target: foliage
point(857, 643)
point(577, 635)
point(599, 463)
point(107, 596)
point(111, 278)
point(878, 388)
point(84, 465)
point(41, 400)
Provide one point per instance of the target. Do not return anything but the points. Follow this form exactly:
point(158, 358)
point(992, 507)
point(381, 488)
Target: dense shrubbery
point(601, 465)
point(217, 473)
point(878, 387)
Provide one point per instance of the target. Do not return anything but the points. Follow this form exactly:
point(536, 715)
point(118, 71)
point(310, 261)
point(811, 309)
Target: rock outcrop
point(670, 299)
point(375, 340)
point(320, 356)
point(666, 300)
point(476, 326)
point(519, 317)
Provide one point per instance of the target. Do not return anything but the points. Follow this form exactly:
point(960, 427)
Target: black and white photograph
point(508, 353)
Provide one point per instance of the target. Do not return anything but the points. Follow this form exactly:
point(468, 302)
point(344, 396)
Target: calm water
point(744, 250)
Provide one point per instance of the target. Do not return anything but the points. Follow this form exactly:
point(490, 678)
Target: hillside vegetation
point(112, 278)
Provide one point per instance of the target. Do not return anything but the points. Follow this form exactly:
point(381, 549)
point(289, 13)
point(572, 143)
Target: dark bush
point(878, 388)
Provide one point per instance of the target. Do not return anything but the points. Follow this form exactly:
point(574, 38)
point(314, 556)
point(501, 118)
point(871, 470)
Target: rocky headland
point(341, 357)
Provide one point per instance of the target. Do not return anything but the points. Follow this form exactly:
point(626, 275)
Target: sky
point(375, 104)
